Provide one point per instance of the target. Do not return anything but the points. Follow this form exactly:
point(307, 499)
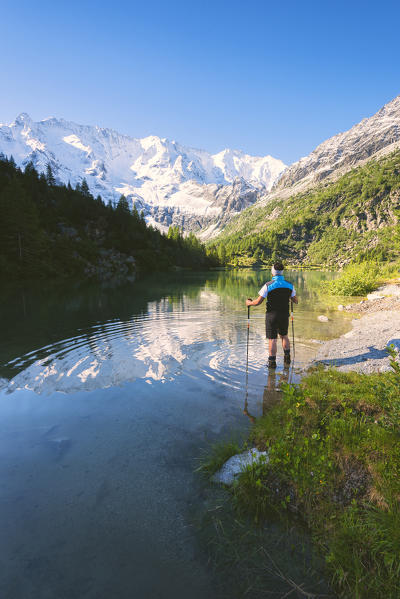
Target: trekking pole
point(247, 360)
point(247, 350)
point(294, 349)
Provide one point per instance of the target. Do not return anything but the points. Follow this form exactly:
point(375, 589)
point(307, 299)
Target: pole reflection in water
point(272, 392)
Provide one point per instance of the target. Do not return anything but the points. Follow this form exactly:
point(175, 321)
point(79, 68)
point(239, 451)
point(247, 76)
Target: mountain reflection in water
point(195, 325)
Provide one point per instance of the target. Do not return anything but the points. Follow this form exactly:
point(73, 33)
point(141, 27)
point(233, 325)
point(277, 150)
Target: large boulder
point(237, 463)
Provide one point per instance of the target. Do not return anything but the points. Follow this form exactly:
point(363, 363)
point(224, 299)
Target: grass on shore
point(334, 448)
point(211, 461)
point(249, 561)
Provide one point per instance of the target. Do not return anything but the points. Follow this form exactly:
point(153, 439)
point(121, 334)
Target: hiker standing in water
point(278, 293)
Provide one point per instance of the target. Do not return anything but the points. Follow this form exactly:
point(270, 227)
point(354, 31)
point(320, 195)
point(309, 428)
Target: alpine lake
point(108, 398)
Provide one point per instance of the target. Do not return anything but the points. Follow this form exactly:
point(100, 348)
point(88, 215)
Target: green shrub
point(356, 279)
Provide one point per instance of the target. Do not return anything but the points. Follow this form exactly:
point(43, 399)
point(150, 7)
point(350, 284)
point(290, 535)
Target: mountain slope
point(355, 217)
point(378, 134)
point(172, 184)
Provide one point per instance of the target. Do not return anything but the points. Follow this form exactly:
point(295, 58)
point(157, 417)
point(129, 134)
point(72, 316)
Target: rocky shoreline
point(363, 349)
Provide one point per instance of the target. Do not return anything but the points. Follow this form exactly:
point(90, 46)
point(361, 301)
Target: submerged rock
point(59, 446)
point(237, 463)
point(323, 318)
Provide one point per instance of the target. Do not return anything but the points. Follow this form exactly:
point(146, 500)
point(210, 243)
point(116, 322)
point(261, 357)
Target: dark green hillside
point(49, 230)
point(354, 218)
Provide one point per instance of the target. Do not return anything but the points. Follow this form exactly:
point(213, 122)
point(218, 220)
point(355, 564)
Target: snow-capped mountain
point(171, 183)
point(372, 137)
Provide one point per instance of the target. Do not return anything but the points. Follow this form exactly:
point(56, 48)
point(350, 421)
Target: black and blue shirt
point(278, 293)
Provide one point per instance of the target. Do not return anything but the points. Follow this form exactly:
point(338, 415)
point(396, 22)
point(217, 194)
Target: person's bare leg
point(272, 353)
point(286, 349)
point(285, 341)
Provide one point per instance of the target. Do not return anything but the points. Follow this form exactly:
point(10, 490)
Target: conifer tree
point(222, 254)
point(123, 205)
point(21, 238)
point(30, 170)
point(49, 175)
point(135, 213)
point(85, 188)
point(257, 254)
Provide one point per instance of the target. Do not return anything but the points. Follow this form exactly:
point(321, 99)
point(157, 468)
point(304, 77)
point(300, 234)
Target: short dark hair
point(278, 265)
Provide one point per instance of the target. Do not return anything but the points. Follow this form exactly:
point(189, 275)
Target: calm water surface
point(107, 396)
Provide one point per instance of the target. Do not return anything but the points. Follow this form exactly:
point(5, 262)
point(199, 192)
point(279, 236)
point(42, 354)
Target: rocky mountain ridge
point(373, 137)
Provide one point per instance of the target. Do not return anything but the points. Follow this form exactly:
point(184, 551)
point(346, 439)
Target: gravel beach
point(363, 348)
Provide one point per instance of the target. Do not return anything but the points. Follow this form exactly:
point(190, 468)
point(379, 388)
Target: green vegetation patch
point(334, 449)
point(356, 279)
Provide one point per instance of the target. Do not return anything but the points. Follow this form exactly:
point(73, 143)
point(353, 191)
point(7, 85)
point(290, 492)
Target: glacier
point(172, 184)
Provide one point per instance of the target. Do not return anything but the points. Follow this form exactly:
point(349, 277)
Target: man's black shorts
point(276, 322)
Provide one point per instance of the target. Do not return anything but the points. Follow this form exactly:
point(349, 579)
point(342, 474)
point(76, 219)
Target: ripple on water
point(157, 346)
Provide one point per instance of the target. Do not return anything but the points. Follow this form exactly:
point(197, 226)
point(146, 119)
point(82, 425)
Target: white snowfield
point(171, 183)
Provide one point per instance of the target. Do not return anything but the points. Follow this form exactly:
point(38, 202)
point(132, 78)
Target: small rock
point(236, 464)
point(374, 296)
point(349, 334)
point(340, 307)
point(323, 318)
point(348, 307)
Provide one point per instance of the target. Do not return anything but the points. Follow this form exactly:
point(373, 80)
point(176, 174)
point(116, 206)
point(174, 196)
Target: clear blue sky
point(264, 77)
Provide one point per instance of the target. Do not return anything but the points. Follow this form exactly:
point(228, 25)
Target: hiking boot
point(272, 362)
point(286, 357)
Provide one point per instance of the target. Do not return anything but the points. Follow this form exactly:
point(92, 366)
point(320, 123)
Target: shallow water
point(107, 397)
